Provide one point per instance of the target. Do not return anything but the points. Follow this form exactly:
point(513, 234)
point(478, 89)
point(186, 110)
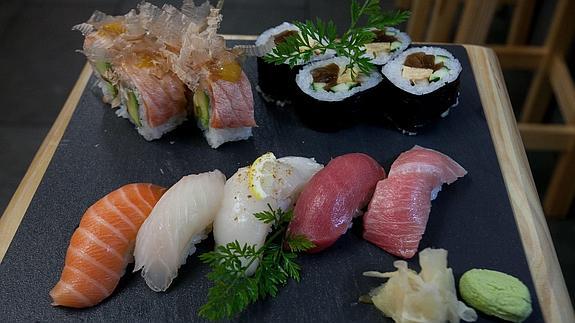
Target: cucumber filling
point(103, 68)
point(202, 108)
point(133, 106)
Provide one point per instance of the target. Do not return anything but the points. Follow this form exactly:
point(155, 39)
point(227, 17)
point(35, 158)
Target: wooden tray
point(492, 218)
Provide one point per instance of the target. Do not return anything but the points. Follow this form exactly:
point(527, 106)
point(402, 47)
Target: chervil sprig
point(315, 38)
point(233, 290)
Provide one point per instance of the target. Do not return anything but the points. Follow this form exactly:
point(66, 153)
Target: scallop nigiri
point(180, 220)
point(102, 245)
point(243, 197)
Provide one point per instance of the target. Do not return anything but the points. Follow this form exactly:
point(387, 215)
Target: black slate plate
point(99, 152)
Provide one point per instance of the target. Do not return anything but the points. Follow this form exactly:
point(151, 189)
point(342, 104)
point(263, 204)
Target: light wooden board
point(551, 290)
point(543, 263)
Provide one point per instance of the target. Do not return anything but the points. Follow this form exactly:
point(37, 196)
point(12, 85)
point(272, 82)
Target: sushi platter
point(98, 153)
point(128, 214)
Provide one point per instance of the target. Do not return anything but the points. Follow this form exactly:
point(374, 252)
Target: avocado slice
point(202, 108)
point(102, 67)
point(133, 108)
point(111, 89)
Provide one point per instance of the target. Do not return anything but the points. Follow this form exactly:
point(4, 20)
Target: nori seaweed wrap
point(329, 98)
point(419, 87)
point(276, 82)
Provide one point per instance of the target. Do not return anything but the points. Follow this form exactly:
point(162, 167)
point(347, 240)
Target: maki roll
point(280, 93)
point(331, 93)
point(423, 84)
point(133, 75)
point(387, 44)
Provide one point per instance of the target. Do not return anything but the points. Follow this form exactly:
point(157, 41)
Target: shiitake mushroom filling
point(281, 37)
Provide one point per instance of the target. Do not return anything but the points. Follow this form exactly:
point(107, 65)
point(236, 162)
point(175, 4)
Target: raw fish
point(102, 245)
point(398, 213)
point(232, 103)
point(236, 220)
point(334, 196)
point(181, 219)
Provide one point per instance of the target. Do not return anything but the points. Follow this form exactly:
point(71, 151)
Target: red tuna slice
point(333, 196)
point(398, 212)
point(232, 103)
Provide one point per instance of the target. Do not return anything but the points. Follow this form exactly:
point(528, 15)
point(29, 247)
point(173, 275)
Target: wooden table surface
point(543, 264)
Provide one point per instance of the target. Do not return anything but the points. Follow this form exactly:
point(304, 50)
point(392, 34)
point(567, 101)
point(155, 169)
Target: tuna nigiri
point(102, 245)
point(181, 219)
point(332, 198)
point(236, 220)
point(397, 215)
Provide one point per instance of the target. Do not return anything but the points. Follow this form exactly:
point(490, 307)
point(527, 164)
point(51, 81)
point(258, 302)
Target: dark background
point(38, 68)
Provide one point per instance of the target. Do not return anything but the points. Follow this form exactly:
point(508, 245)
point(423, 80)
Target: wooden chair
point(433, 21)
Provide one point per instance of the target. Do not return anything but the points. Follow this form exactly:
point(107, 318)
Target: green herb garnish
point(233, 291)
point(315, 38)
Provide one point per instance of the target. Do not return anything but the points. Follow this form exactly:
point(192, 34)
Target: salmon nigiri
point(102, 245)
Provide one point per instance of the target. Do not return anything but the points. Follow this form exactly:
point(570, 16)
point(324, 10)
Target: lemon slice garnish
point(261, 175)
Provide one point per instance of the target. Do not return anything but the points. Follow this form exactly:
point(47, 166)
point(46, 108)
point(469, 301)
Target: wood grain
point(418, 20)
point(18, 205)
point(543, 263)
point(521, 22)
point(442, 17)
point(475, 21)
point(563, 88)
point(520, 57)
point(550, 137)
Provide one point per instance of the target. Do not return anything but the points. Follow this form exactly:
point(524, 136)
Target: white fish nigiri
point(180, 219)
point(235, 219)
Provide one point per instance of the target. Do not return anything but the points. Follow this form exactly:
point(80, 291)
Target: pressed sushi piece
point(332, 94)
point(273, 82)
point(224, 105)
point(103, 41)
point(223, 101)
point(419, 87)
point(153, 98)
point(181, 219)
point(398, 212)
point(133, 74)
point(102, 245)
point(387, 44)
point(281, 182)
point(333, 197)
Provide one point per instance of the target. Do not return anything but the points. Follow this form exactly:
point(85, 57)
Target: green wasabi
point(495, 293)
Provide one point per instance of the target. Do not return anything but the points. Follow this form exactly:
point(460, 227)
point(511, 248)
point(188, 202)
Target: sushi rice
point(144, 128)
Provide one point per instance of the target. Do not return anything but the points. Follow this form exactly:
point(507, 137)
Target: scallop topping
point(385, 42)
point(421, 69)
point(332, 78)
